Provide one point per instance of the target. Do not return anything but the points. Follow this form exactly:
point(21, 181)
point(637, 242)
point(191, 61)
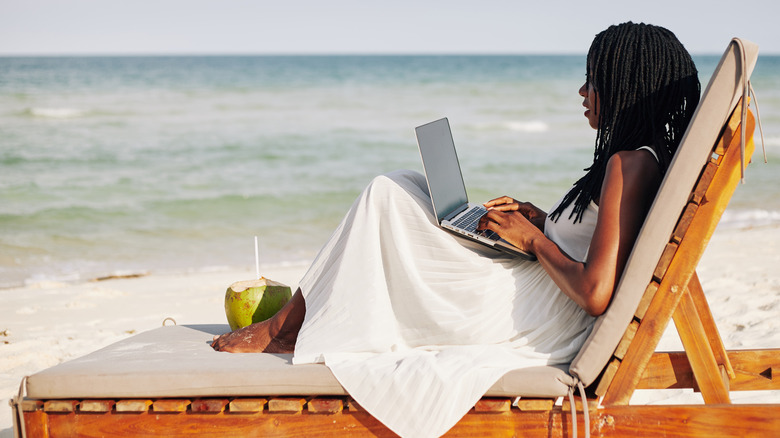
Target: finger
point(495, 215)
point(491, 226)
point(499, 201)
point(492, 216)
point(514, 206)
point(483, 221)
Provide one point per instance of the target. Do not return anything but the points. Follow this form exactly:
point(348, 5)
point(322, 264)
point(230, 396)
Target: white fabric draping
point(416, 323)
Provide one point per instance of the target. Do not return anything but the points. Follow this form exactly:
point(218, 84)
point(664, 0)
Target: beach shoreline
point(47, 323)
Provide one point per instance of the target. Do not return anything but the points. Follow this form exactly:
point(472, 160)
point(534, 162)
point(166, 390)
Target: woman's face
point(591, 103)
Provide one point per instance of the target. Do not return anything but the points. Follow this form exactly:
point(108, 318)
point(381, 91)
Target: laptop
point(448, 192)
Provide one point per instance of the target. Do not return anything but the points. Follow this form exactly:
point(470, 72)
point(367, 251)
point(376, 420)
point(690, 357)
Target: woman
point(417, 324)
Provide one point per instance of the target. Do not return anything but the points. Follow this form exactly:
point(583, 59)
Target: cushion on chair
point(178, 361)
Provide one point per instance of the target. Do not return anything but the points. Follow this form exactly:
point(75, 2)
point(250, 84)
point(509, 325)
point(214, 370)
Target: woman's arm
point(629, 186)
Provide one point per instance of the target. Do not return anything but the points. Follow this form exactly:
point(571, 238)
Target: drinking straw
point(257, 259)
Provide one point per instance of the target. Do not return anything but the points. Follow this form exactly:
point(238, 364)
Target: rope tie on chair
point(584, 400)
point(16, 404)
point(573, 408)
point(747, 92)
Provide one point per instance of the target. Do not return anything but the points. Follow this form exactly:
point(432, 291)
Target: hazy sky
point(352, 26)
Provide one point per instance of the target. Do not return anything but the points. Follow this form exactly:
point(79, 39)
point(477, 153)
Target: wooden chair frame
point(674, 293)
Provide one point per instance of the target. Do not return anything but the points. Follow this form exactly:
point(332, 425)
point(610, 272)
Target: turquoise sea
point(119, 165)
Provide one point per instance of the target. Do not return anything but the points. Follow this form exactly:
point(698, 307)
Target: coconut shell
point(251, 301)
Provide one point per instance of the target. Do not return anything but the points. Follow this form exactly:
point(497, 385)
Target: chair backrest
point(718, 101)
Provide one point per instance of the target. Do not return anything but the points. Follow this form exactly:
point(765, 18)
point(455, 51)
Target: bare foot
point(255, 338)
point(275, 335)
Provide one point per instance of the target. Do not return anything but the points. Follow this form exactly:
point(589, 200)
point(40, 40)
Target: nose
point(584, 90)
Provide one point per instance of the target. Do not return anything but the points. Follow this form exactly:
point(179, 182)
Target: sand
point(44, 324)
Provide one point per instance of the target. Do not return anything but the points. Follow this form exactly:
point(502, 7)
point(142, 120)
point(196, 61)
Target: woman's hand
point(519, 223)
point(531, 212)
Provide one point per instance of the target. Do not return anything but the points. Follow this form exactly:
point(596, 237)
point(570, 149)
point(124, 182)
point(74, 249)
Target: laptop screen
point(442, 170)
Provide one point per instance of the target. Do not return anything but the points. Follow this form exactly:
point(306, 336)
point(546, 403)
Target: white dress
point(416, 323)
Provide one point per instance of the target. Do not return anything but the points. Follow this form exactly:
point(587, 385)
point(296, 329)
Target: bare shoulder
point(637, 175)
point(635, 167)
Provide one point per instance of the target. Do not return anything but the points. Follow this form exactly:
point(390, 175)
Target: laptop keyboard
point(469, 222)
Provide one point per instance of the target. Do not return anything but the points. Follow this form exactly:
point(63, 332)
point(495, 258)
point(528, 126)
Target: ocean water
point(118, 165)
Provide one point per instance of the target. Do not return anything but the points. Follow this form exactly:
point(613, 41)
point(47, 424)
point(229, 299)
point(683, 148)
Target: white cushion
point(178, 361)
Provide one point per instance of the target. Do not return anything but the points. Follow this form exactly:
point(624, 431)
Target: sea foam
point(529, 126)
point(56, 113)
point(749, 218)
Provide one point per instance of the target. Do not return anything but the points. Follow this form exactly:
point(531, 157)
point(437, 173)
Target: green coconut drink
point(251, 301)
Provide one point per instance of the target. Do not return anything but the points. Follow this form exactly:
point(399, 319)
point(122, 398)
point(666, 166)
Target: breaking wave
point(749, 218)
point(531, 126)
point(55, 113)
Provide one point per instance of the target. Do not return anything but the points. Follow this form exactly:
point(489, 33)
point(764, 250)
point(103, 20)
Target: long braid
point(648, 88)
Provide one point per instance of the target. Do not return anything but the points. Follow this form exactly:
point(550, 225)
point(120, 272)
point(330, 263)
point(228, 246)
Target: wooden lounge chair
point(168, 382)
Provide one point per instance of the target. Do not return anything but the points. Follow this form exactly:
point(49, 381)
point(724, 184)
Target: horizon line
point(302, 54)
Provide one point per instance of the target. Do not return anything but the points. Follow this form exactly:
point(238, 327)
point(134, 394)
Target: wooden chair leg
point(712, 383)
point(713, 334)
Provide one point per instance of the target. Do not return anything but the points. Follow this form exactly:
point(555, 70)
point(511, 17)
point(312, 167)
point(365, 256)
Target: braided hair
point(648, 88)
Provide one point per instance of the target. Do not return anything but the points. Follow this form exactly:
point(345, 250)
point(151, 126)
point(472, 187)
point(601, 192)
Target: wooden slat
point(628, 336)
point(663, 263)
point(593, 404)
point(247, 405)
point(704, 182)
point(354, 406)
point(677, 276)
point(493, 405)
point(647, 298)
point(170, 405)
point(291, 405)
point(535, 404)
point(132, 405)
point(60, 405)
point(708, 376)
point(29, 405)
point(96, 406)
point(209, 405)
point(607, 376)
point(684, 222)
point(325, 405)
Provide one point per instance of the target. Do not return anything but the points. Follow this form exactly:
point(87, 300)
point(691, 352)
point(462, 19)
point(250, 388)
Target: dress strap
point(648, 148)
